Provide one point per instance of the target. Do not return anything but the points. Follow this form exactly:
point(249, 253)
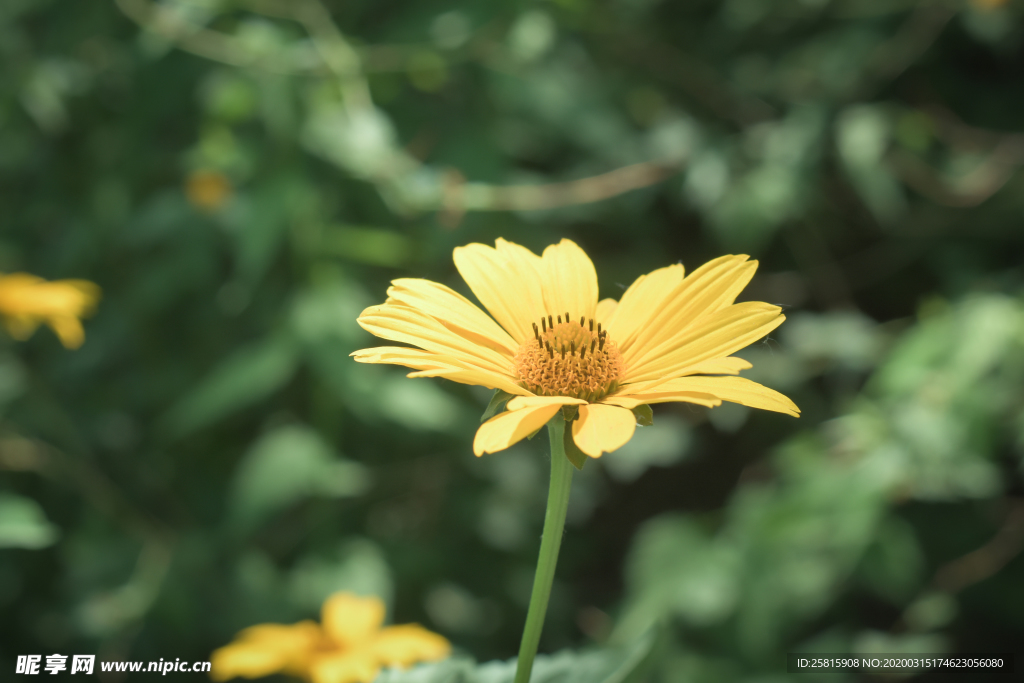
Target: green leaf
point(660, 445)
point(23, 524)
point(577, 457)
point(357, 566)
point(376, 246)
point(284, 466)
point(497, 404)
point(644, 415)
point(608, 665)
point(244, 378)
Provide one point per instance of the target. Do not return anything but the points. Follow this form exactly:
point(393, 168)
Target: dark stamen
point(551, 323)
point(573, 345)
point(563, 353)
point(583, 319)
point(592, 345)
point(547, 345)
point(591, 324)
point(583, 352)
point(599, 328)
point(567, 316)
point(535, 332)
point(559, 320)
point(600, 346)
point(544, 324)
point(551, 354)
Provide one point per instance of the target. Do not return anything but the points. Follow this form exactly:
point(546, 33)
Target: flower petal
point(720, 334)
point(730, 365)
point(350, 620)
point(408, 644)
point(69, 330)
point(453, 310)
point(570, 281)
point(605, 311)
point(713, 366)
point(641, 302)
point(510, 427)
point(265, 649)
point(246, 659)
point(398, 322)
point(634, 400)
point(27, 300)
point(507, 281)
point(520, 402)
point(734, 389)
point(430, 364)
point(344, 667)
point(705, 291)
point(602, 427)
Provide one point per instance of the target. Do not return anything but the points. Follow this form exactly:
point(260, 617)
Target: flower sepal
point(497, 404)
point(644, 415)
point(572, 452)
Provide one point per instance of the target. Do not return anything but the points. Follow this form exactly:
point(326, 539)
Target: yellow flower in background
point(26, 301)
point(348, 646)
point(554, 344)
point(207, 190)
point(988, 4)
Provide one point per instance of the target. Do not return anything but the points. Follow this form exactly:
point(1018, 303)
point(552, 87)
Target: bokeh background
point(242, 177)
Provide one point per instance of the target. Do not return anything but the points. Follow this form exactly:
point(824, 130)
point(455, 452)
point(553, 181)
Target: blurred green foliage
point(243, 177)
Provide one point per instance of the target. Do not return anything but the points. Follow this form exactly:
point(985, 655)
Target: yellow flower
point(27, 300)
point(207, 190)
point(349, 646)
point(554, 344)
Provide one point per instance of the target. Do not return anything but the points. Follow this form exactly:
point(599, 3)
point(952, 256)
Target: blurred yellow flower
point(554, 344)
point(207, 190)
point(27, 300)
point(348, 646)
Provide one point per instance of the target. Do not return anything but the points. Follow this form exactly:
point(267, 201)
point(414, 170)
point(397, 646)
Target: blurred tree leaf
point(893, 566)
point(242, 379)
point(421, 405)
point(609, 665)
point(23, 524)
point(375, 246)
point(284, 466)
point(357, 565)
point(678, 569)
point(660, 445)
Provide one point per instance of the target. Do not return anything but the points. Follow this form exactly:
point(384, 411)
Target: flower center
point(569, 359)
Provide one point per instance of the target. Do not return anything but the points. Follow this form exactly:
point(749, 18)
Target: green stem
point(551, 540)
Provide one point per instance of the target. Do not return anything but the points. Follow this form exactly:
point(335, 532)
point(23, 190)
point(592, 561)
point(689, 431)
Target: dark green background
point(211, 458)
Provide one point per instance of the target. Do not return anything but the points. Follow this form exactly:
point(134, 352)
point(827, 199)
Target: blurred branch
point(197, 39)
point(815, 260)
point(987, 178)
point(225, 48)
point(462, 196)
point(987, 560)
point(337, 53)
point(701, 81)
point(344, 61)
point(18, 453)
point(894, 56)
point(111, 611)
